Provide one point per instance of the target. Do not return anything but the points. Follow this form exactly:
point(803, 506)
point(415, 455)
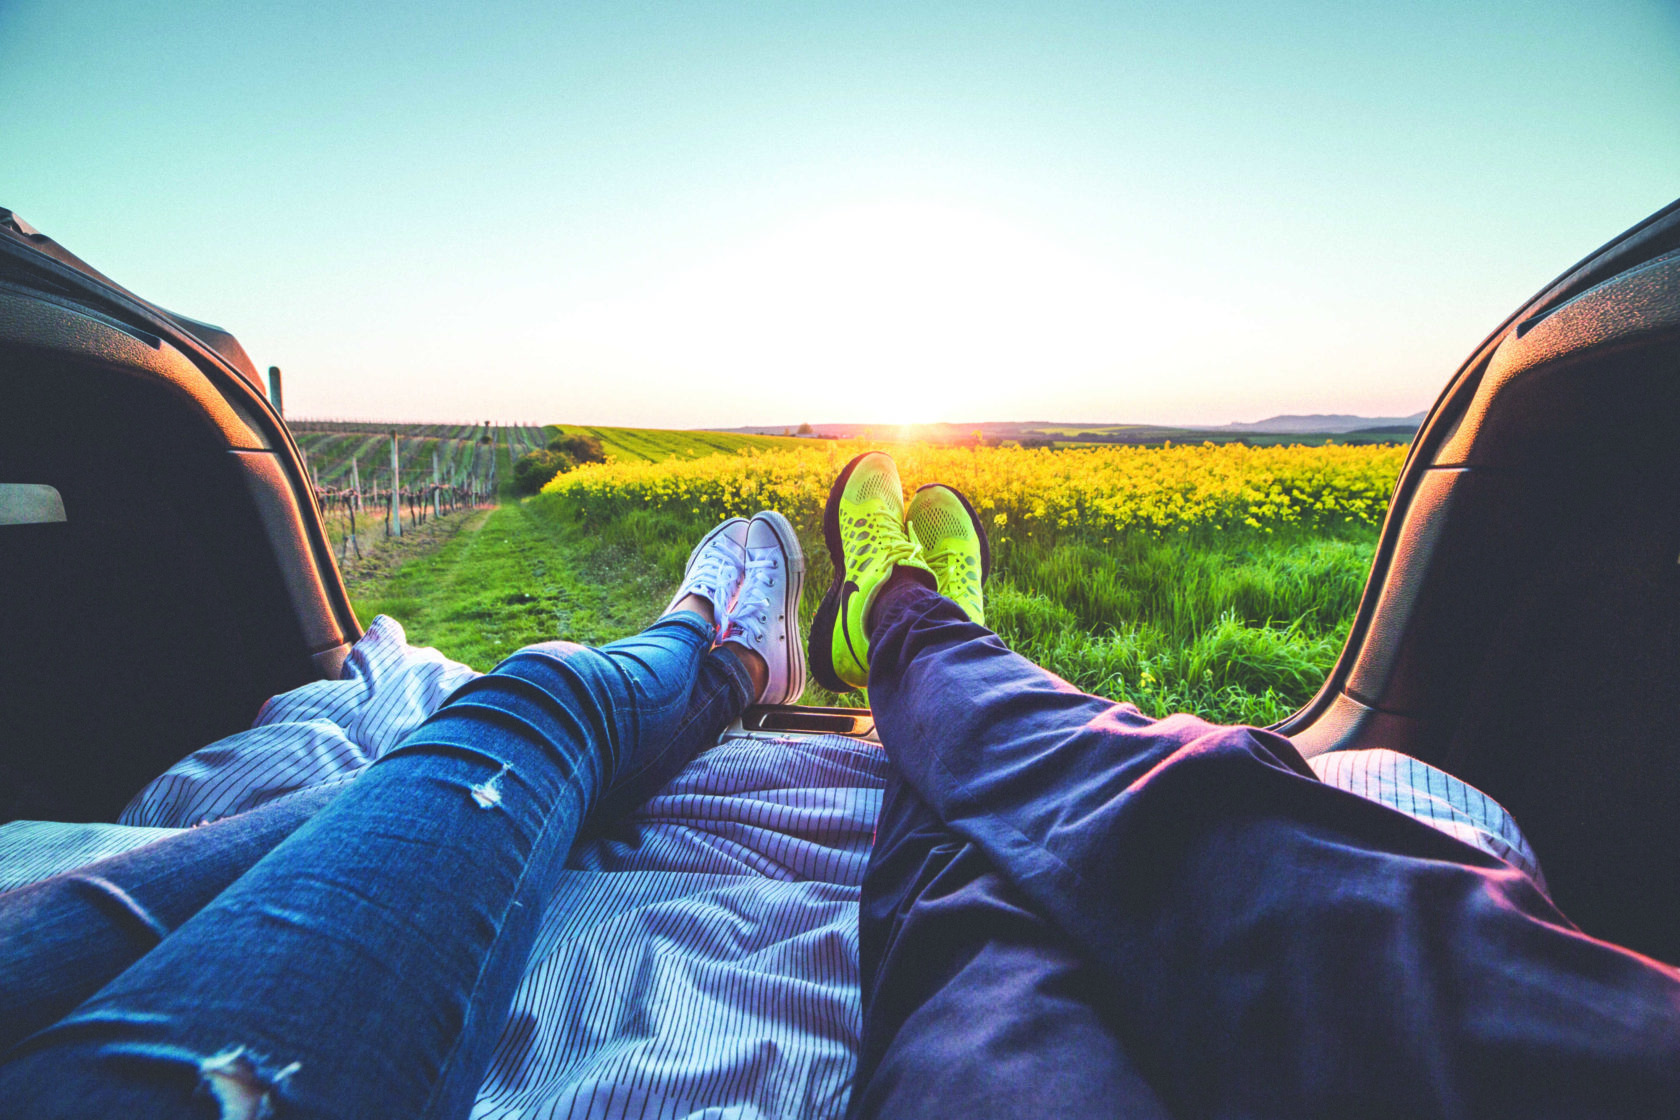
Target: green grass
point(1235, 627)
point(511, 578)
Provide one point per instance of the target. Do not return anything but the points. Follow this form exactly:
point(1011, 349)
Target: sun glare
point(947, 313)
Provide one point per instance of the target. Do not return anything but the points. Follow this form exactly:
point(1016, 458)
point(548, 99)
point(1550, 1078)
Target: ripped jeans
point(364, 965)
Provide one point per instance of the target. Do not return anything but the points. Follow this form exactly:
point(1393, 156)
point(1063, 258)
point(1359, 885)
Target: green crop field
point(1160, 595)
point(658, 444)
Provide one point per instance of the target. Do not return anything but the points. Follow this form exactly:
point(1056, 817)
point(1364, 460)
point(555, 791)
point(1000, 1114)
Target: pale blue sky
point(714, 214)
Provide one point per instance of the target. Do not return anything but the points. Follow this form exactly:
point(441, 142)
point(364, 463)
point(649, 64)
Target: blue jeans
point(1074, 910)
point(364, 965)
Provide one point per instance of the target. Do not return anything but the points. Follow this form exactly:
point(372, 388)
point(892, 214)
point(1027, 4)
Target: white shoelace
point(714, 574)
point(751, 613)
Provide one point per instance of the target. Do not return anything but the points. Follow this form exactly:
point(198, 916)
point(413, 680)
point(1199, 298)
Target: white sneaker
point(715, 569)
point(765, 617)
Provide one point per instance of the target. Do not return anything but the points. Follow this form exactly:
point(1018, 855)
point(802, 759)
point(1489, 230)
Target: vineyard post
point(435, 510)
point(394, 525)
point(350, 541)
point(355, 501)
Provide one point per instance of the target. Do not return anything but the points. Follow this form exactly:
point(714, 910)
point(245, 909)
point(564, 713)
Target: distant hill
point(1321, 425)
point(1325, 424)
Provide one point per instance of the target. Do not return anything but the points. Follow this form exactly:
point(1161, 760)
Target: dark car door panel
point(1522, 624)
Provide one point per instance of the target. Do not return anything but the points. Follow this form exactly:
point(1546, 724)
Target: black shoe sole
point(974, 518)
point(820, 646)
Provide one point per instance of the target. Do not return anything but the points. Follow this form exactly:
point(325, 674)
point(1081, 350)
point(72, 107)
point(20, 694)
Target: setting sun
point(903, 302)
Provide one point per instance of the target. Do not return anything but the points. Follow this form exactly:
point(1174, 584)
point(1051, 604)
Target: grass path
point(509, 577)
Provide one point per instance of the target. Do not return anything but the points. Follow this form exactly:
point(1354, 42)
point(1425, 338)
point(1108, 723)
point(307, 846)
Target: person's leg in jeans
point(363, 967)
point(68, 936)
point(1262, 944)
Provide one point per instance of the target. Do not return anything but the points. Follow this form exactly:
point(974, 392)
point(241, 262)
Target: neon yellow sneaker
point(863, 525)
point(953, 542)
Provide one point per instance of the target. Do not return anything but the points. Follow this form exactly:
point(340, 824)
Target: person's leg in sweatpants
point(1261, 944)
point(974, 1005)
point(363, 967)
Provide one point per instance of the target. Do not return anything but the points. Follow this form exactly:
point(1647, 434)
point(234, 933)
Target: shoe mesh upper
point(936, 521)
point(950, 543)
point(874, 487)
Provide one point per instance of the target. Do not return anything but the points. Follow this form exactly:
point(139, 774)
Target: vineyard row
point(440, 469)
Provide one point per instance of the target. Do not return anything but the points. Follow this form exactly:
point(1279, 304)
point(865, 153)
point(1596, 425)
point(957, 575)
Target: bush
point(535, 468)
point(580, 448)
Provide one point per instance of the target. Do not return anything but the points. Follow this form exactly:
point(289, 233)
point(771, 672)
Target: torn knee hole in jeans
point(244, 1089)
point(488, 793)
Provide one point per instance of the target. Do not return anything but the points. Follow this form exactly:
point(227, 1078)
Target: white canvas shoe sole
point(786, 656)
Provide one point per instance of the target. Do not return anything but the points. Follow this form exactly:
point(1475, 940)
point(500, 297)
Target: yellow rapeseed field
point(1026, 492)
point(1216, 579)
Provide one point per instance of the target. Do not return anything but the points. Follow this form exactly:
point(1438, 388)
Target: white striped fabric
point(310, 735)
point(702, 959)
point(34, 850)
point(1434, 797)
point(698, 961)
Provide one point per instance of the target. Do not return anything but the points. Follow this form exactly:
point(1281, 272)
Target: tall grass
point(1236, 626)
point(1233, 626)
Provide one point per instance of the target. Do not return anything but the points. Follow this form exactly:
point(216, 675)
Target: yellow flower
point(1085, 493)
